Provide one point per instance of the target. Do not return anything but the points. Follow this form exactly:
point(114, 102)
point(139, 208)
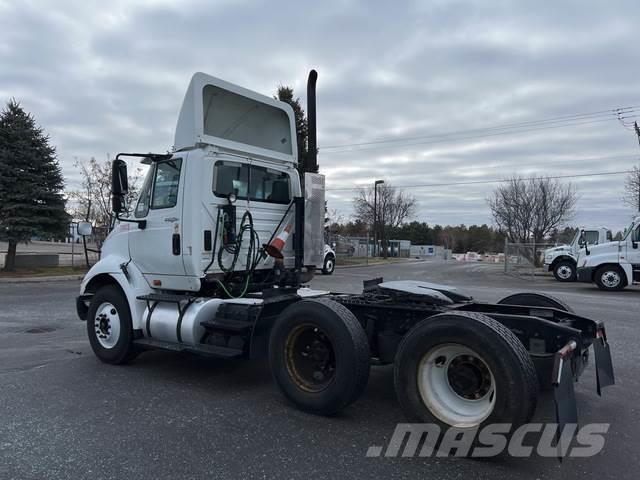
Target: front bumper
point(585, 274)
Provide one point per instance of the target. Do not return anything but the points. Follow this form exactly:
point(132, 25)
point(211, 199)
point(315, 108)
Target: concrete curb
point(59, 278)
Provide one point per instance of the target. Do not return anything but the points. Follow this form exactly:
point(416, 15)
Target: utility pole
point(635, 127)
point(375, 214)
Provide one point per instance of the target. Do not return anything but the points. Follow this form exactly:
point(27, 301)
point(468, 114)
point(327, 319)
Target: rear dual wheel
point(464, 370)
point(319, 355)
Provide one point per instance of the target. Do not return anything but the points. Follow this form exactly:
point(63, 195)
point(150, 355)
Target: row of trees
point(459, 238)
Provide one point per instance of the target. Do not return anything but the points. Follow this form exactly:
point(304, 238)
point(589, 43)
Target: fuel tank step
point(228, 324)
point(200, 349)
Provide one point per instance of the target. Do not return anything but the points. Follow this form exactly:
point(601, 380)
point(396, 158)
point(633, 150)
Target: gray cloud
point(108, 77)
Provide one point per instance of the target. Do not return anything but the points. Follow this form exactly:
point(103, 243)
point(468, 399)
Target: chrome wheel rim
point(107, 325)
point(611, 279)
point(565, 272)
point(329, 265)
point(456, 385)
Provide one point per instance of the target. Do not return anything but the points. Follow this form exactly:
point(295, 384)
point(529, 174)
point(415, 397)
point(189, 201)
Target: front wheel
point(565, 271)
point(109, 326)
point(464, 370)
point(329, 265)
point(611, 278)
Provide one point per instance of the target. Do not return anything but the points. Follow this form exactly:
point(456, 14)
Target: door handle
point(175, 243)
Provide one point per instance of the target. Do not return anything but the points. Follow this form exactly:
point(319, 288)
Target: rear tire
point(319, 355)
point(565, 271)
point(109, 326)
point(464, 369)
point(610, 278)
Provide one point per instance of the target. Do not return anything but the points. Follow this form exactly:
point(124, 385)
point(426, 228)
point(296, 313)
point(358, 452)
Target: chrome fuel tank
point(163, 324)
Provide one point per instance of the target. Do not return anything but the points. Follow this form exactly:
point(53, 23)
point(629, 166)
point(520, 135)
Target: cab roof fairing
point(191, 132)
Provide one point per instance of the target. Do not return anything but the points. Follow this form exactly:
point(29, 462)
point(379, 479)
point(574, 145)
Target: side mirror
point(84, 229)
point(119, 186)
point(582, 240)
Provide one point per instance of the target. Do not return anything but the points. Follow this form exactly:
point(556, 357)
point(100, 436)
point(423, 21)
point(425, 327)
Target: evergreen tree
point(285, 94)
point(31, 183)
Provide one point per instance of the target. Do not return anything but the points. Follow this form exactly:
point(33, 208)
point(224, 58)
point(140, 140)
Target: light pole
point(375, 214)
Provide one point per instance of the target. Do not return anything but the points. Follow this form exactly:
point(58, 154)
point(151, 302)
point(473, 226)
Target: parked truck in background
point(216, 256)
point(612, 265)
point(561, 260)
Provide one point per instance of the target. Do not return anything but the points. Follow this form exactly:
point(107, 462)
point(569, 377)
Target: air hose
point(254, 254)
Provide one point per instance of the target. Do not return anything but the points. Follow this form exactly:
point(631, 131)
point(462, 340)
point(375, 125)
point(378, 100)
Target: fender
point(111, 270)
point(561, 258)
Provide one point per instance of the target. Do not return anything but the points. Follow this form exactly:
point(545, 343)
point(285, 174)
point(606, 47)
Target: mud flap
point(604, 365)
point(563, 392)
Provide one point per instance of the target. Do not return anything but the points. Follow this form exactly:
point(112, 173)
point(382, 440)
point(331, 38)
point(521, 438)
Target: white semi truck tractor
point(612, 265)
point(215, 259)
point(561, 260)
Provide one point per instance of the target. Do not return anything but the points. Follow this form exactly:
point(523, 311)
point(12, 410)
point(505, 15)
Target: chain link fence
point(524, 260)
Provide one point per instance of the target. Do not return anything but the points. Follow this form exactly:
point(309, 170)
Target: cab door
point(157, 249)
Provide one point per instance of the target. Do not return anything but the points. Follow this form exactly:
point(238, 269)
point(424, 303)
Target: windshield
point(576, 238)
point(627, 231)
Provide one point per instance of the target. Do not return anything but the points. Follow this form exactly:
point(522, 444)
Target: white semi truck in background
point(214, 259)
point(561, 260)
point(612, 265)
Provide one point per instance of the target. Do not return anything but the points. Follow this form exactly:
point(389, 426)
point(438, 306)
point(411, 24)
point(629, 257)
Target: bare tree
point(93, 201)
point(530, 209)
point(393, 208)
point(632, 188)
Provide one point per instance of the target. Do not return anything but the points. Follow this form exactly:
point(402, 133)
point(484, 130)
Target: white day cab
point(612, 265)
point(561, 260)
point(215, 258)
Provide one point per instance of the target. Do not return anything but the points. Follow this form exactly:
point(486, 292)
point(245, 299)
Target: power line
point(564, 118)
point(468, 137)
point(483, 182)
point(521, 127)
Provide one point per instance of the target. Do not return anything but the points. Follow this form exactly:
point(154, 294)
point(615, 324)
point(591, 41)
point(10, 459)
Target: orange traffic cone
point(274, 249)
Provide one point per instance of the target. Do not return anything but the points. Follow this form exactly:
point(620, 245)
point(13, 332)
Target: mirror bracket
point(142, 224)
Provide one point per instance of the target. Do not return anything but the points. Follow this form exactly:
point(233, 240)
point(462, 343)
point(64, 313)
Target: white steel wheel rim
point(611, 279)
point(440, 397)
point(329, 265)
point(565, 272)
point(107, 325)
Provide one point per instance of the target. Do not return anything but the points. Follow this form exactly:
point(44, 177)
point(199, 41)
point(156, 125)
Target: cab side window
point(142, 207)
point(635, 236)
point(267, 185)
point(165, 184)
point(251, 182)
point(231, 177)
point(591, 237)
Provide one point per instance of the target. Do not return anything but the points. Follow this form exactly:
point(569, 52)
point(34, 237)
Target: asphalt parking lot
point(63, 414)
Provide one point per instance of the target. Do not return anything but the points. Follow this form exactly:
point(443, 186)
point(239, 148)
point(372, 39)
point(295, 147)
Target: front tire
point(109, 326)
point(464, 370)
point(319, 355)
point(610, 278)
point(565, 271)
point(329, 265)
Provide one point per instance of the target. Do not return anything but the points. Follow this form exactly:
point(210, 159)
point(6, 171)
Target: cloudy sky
point(439, 78)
